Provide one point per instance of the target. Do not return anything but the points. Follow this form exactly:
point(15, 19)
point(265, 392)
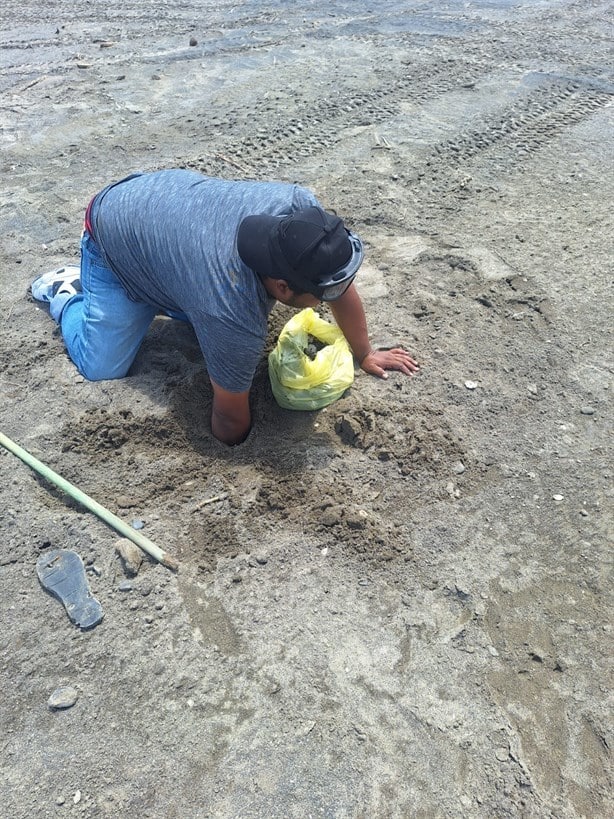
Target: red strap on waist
point(88, 217)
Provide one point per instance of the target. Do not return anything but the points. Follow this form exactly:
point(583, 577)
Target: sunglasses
point(335, 285)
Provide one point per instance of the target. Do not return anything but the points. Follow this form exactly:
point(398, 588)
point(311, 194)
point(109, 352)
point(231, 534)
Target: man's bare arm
point(350, 316)
point(230, 418)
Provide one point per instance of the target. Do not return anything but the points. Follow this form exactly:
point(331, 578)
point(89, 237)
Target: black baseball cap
point(311, 249)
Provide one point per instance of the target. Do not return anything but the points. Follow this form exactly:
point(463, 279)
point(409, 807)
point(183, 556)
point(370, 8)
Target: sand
point(399, 606)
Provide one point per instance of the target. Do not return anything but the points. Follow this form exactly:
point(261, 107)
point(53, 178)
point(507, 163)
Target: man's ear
point(278, 288)
point(284, 289)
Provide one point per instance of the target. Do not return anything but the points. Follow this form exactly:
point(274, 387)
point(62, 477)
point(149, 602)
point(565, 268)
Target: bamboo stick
point(95, 507)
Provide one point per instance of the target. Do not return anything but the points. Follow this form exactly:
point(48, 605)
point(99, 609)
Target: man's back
point(170, 237)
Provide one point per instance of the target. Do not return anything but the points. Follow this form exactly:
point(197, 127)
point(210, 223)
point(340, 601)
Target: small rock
point(532, 388)
point(63, 697)
point(262, 559)
point(587, 410)
point(125, 502)
point(130, 554)
point(77, 797)
point(125, 586)
point(471, 385)
point(193, 41)
point(60, 800)
point(557, 498)
point(137, 524)
point(502, 754)
point(458, 468)
point(584, 513)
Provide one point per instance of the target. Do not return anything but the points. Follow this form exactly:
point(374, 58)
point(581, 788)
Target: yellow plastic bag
point(300, 383)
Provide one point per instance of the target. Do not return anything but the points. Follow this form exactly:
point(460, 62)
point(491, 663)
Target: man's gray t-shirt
point(171, 239)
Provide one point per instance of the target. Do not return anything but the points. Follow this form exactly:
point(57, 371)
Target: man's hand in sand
point(378, 361)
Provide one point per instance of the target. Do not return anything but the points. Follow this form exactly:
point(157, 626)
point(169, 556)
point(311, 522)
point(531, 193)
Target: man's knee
point(101, 370)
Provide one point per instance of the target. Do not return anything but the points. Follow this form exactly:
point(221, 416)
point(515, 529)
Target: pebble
point(130, 554)
point(125, 586)
point(587, 410)
point(262, 559)
point(63, 697)
point(77, 797)
point(458, 468)
point(137, 524)
point(193, 41)
point(557, 498)
point(502, 754)
point(471, 385)
point(125, 501)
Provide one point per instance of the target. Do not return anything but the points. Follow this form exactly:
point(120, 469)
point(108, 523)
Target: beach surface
point(401, 605)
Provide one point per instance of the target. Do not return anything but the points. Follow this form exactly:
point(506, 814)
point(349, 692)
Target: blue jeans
point(102, 327)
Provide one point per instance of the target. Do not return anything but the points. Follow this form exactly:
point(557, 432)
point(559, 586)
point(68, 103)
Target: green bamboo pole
point(104, 514)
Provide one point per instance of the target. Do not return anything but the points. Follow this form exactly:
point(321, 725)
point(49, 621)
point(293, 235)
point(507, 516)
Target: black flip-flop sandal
point(62, 573)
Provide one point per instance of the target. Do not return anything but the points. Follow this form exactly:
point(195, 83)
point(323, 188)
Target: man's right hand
point(231, 418)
